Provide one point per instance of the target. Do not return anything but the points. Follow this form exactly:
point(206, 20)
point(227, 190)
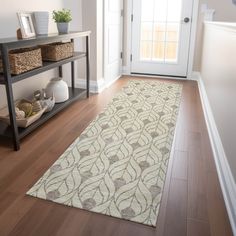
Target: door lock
point(186, 19)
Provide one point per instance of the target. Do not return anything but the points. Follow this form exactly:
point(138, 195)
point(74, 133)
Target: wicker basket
point(22, 60)
point(57, 51)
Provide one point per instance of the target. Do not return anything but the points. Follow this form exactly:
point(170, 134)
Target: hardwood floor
point(192, 202)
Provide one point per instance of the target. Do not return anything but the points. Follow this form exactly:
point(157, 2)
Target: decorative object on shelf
point(59, 89)
point(49, 103)
point(19, 114)
point(26, 107)
point(44, 101)
point(37, 95)
point(41, 19)
point(22, 60)
point(57, 51)
point(37, 106)
point(26, 113)
point(26, 25)
point(62, 18)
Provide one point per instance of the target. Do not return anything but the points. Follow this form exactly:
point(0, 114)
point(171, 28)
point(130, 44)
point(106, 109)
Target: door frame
point(105, 59)
point(128, 38)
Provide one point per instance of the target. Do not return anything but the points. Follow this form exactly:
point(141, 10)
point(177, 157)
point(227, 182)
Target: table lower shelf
point(5, 130)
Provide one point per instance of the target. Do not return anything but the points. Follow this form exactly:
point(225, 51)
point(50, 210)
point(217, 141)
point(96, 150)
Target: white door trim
point(105, 59)
point(128, 39)
point(193, 38)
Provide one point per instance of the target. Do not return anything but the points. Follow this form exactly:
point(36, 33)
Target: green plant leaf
point(62, 16)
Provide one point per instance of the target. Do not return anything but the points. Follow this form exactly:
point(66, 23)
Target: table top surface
point(52, 36)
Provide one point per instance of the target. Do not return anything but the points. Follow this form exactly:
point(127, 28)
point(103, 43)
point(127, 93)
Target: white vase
point(41, 19)
point(59, 89)
point(63, 27)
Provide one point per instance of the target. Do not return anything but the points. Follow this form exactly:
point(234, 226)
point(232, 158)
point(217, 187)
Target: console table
point(7, 80)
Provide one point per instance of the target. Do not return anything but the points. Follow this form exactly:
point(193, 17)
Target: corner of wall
point(96, 86)
point(195, 75)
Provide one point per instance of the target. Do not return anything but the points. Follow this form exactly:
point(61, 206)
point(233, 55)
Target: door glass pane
point(160, 12)
point(174, 10)
point(160, 30)
point(146, 50)
point(171, 52)
point(147, 10)
point(172, 32)
point(159, 51)
point(146, 31)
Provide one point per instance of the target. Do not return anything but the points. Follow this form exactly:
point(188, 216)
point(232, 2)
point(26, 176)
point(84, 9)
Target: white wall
point(218, 72)
point(100, 39)
point(9, 25)
point(75, 25)
point(217, 87)
point(93, 20)
point(224, 11)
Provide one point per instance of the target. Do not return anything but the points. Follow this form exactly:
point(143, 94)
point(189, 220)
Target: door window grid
point(160, 39)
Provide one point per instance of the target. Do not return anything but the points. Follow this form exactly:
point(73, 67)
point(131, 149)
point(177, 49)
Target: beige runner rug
point(118, 165)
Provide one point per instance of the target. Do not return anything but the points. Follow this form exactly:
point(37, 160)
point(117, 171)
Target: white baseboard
point(95, 86)
point(195, 75)
point(109, 83)
point(225, 175)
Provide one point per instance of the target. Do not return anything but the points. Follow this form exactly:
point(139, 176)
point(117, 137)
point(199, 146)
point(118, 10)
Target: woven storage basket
point(24, 59)
point(57, 51)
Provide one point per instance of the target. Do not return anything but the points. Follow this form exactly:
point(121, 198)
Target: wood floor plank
point(219, 221)
point(183, 123)
point(207, 152)
point(131, 228)
point(162, 211)
point(16, 211)
point(6, 199)
point(32, 219)
point(197, 195)
point(50, 223)
point(176, 217)
point(192, 202)
point(101, 225)
point(181, 139)
point(180, 167)
point(194, 111)
point(198, 228)
point(74, 223)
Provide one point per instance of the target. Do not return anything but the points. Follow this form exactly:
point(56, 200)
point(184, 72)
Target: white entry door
point(113, 40)
point(161, 37)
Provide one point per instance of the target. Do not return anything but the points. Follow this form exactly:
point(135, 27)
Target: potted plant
point(62, 18)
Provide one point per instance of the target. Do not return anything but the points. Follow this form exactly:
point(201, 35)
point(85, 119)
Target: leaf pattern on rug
point(118, 164)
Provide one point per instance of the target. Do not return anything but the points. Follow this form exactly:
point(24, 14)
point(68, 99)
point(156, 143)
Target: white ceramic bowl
point(59, 89)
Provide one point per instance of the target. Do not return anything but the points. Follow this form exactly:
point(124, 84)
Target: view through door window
point(160, 27)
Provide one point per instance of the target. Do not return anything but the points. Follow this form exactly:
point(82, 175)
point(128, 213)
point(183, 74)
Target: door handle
point(186, 20)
